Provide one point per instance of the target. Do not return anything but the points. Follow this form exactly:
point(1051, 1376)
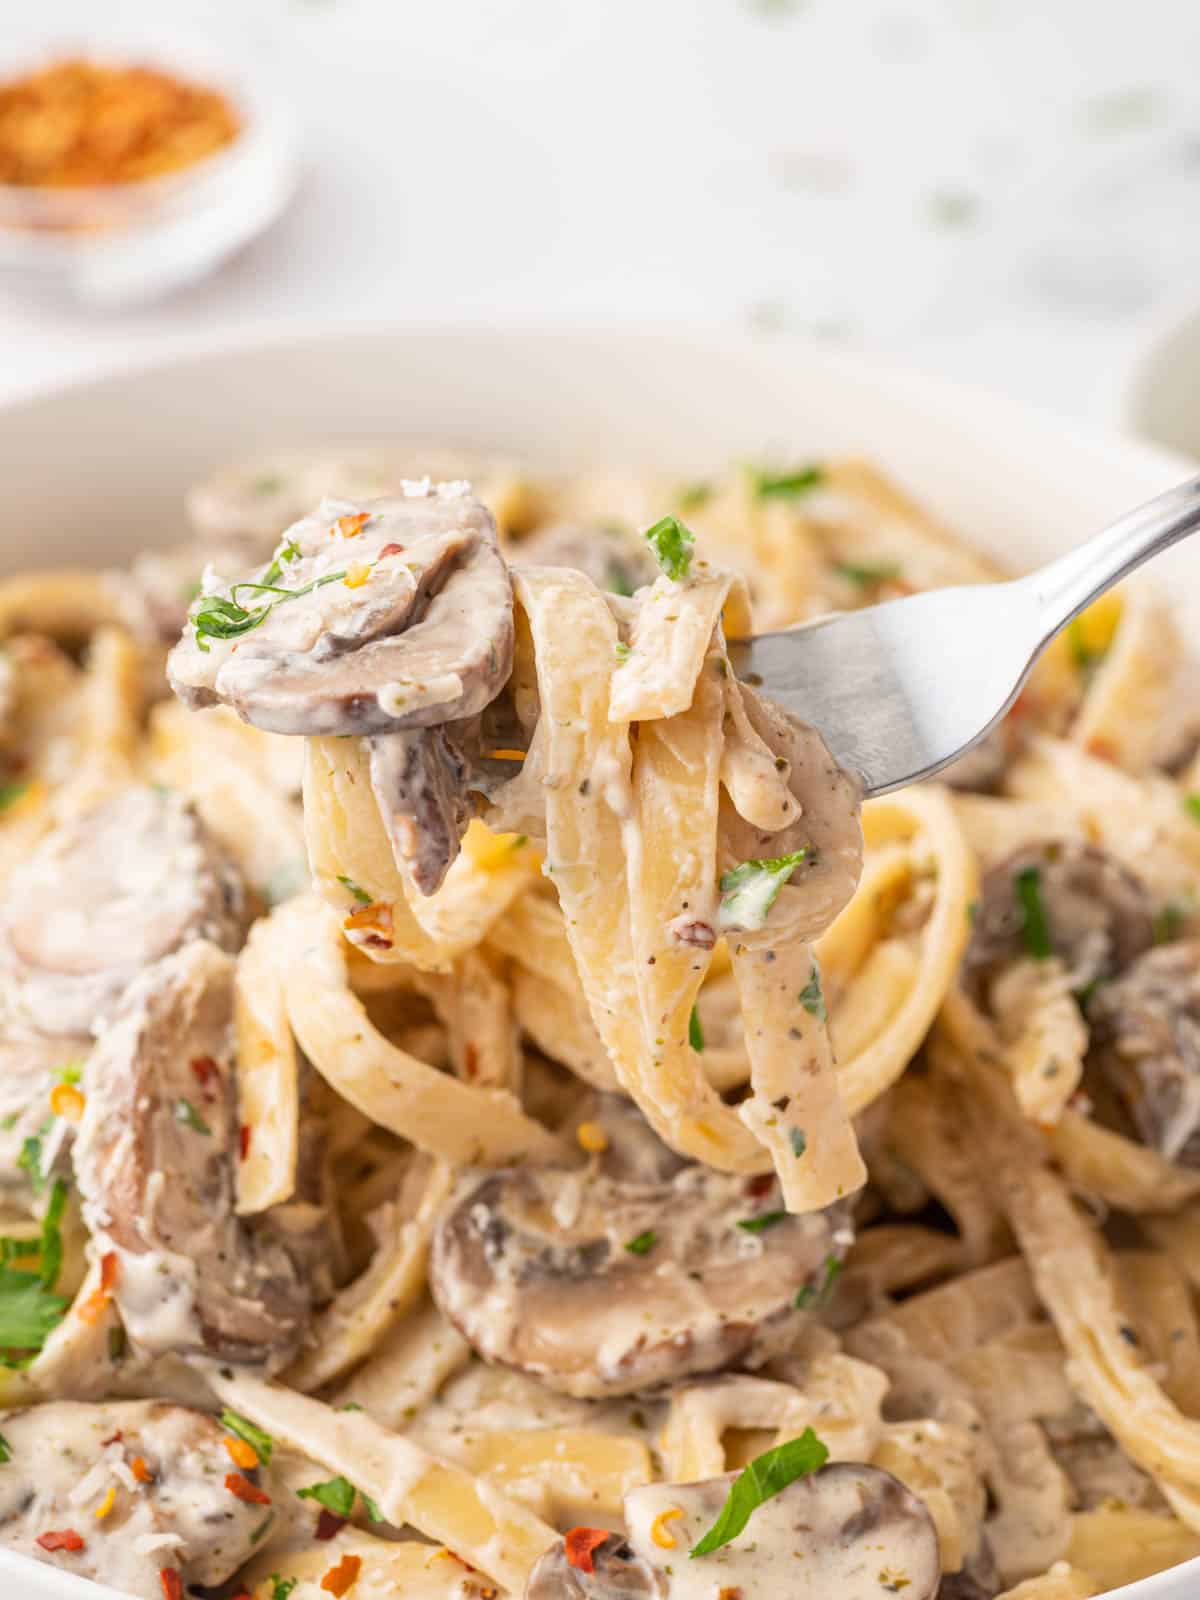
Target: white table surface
point(1004, 190)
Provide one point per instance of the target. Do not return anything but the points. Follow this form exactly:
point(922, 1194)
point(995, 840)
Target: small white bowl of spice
point(135, 156)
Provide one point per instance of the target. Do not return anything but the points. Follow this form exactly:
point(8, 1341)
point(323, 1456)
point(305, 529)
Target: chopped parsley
point(372, 1509)
point(616, 580)
point(694, 495)
point(866, 575)
point(672, 542)
point(186, 1113)
point(811, 996)
point(52, 1246)
point(70, 1072)
point(695, 1031)
point(336, 1495)
point(817, 1295)
point(216, 617)
point(760, 1224)
point(799, 1142)
point(642, 1244)
point(351, 1405)
point(749, 891)
point(10, 793)
point(5, 1451)
point(29, 1312)
point(361, 895)
point(1035, 930)
point(30, 1159)
point(261, 1443)
point(118, 1343)
point(1191, 804)
point(281, 1588)
point(788, 485)
point(1169, 920)
point(765, 1477)
point(622, 651)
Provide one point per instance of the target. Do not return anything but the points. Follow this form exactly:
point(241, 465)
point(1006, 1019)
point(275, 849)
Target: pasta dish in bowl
point(489, 1113)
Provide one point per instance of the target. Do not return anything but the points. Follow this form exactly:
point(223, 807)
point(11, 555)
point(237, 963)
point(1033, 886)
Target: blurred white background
point(1004, 190)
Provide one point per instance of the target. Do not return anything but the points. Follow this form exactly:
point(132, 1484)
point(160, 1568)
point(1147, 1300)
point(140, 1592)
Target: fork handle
point(1067, 586)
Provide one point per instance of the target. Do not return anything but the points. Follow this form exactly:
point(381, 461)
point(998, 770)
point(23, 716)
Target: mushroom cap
point(257, 499)
point(846, 1532)
point(1099, 915)
point(614, 558)
point(55, 1448)
point(106, 895)
point(155, 1158)
point(629, 1272)
point(1145, 1040)
point(405, 621)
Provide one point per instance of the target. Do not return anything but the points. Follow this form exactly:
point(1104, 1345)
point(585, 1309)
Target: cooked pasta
point(486, 1112)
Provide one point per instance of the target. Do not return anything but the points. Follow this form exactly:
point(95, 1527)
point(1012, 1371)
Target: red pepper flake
point(238, 1484)
point(471, 1060)
point(390, 550)
point(757, 1188)
point(329, 1525)
point(244, 1139)
point(342, 1577)
point(582, 1543)
point(1102, 749)
point(206, 1072)
point(94, 1307)
point(172, 1582)
point(140, 1470)
point(349, 526)
point(112, 1439)
point(65, 1539)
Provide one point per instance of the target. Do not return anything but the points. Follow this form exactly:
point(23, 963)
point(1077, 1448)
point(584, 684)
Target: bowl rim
point(199, 348)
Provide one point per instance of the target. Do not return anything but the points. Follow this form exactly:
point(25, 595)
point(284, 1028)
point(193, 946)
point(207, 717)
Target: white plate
point(92, 473)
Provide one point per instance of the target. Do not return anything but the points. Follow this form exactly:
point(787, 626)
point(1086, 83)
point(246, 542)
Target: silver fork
point(899, 691)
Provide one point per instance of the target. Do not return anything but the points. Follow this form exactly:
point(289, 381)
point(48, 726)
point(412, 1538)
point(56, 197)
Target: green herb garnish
point(1169, 920)
point(811, 996)
point(765, 1477)
point(52, 1245)
point(29, 1313)
point(694, 495)
point(216, 617)
point(672, 542)
point(615, 579)
point(186, 1113)
point(816, 1295)
point(867, 576)
point(281, 1588)
point(118, 1343)
point(1027, 887)
point(373, 1512)
point(761, 1224)
point(750, 890)
point(337, 1495)
point(361, 895)
point(10, 793)
point(261, 1443)
point(799, 1142)
point(695, 1031)
point(30, 1159)
point(1191, 804)
point(622, 651)
point(5, 1451)
point(70, 1072)
point(642, 1244)
point(788, 485)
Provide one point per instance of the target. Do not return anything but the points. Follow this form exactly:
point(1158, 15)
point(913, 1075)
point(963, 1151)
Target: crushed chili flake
point(338, 1580)
point(329, 1525)
point(244, 1140)
point(581, 1545)
point(94, 1307)
point(471, 1060)
point(241, 1454)
point(241, 1486)
point(113, 1438)
point(377, 917)
point(64, 1539)
point(761, 1185)
point(390, 550)
point(140, 1470)
point(67, 1102)
point(77, 123)
point(206, 1072)
point(172, 1582)
point(348, 526)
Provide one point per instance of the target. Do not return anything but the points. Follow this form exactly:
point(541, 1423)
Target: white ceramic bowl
point(1162, 392)
point(95, 472)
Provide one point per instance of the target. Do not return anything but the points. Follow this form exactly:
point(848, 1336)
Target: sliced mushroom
point(1145, 1040)
point(613, 558)
point(977, 1579)
point(422, 781)
point(156, 1158)
point(1099, 916)
point(103, 897)
point(161, 1472)
point(384, 615)
point(632, 1271)
point(982, 769)
point(847, 1532)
